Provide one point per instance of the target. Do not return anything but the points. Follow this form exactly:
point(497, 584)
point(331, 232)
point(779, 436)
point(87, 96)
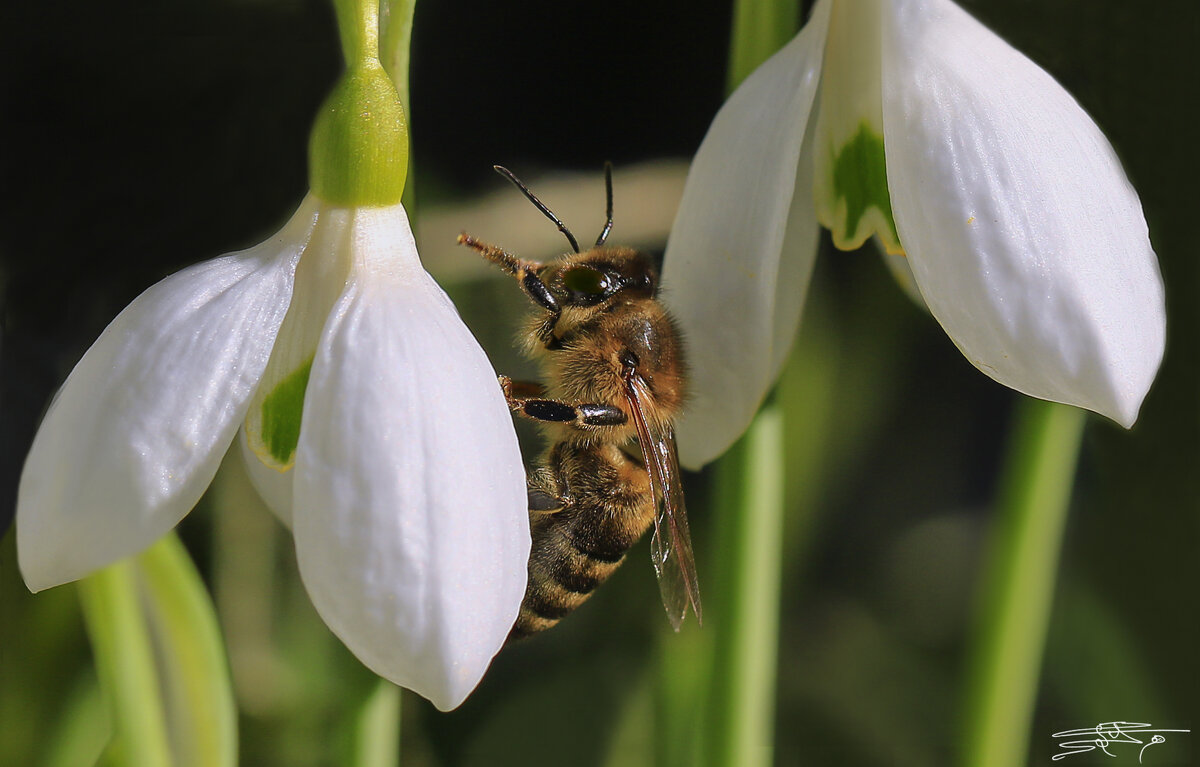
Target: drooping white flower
point(909, 121)
point(369, 417)
point(409, 498)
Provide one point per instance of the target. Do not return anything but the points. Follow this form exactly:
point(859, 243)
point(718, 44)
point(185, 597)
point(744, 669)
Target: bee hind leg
point(526, 398)
point(516, 392)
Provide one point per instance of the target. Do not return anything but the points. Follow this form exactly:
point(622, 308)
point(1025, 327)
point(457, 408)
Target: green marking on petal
point(281, 411)
point(860, 178)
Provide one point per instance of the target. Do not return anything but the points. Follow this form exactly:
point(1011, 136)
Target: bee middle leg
point(545, 493)
point(523, 398)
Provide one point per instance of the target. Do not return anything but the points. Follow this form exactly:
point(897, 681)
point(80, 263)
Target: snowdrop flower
point(367, 413)
point(909, 121)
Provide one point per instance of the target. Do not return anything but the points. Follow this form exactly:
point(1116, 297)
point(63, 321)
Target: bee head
point(599, 276)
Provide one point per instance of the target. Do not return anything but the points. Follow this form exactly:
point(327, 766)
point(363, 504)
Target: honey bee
point(615, 378)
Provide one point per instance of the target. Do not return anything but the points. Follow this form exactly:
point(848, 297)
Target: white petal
point(1025, 237)
point(137, 431)
point(851, 187)
point(273, 486)
point(735, 300)
point(410, 512)
point(897, 264)
point(320, 281)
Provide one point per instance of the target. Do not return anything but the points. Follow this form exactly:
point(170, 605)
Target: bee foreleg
point(526, 272)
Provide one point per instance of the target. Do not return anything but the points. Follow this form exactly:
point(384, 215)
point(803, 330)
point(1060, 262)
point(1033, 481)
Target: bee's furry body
point(614, 380)
point(610, 501)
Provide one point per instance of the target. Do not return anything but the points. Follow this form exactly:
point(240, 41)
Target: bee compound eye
point(585, 281)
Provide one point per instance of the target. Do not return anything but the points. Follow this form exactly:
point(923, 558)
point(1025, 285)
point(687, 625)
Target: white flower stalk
point(909, 121)
point(363, 399)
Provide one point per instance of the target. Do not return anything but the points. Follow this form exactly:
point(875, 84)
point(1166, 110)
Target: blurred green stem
point(377, 730)
point(739, 708)
point(1019, 582)
point(358, 26)
point(125, 665)
point(160, 661)
point(749, 534)
point(760, 27)
point(396, 20)
point(202, 715)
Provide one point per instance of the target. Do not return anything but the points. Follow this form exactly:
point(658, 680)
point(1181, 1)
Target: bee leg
point(587, 414)
point(524, 398)
point(517, 392)
point(526, 272)
point(544, 493)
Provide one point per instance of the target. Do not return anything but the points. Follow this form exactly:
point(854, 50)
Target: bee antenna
point(608, 193)
point(503, 171)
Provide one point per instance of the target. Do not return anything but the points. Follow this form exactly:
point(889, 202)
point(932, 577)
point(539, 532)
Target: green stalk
point(160, 661)
point(745, 624)
point(739, 708)
point(680, 690)
point(201, 712)
point(358, 27)
point(396, 20)
point(1019, 581)
point(377, 728)
point(124, 659)
point(358, 149)
point(760, 27)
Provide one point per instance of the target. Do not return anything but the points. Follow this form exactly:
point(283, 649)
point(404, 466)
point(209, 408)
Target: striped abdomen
point(604, 506)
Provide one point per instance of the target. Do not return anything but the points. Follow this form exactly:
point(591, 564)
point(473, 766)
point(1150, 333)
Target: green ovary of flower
point(281, 411)
point(358, 152)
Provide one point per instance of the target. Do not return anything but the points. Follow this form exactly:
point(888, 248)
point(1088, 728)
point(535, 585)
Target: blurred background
point(142, 137)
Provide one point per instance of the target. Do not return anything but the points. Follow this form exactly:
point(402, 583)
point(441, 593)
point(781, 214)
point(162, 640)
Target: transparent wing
point(671, 546)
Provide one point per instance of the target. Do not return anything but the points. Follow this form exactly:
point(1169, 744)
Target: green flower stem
point(743, 601)
point(377, 729)
point(358, 151)
point(160, 661)
point(125, 665)
point(745, 597)
point(760, 27)
point(202, 712)
point(397, 21)
point(395, 48)
point(680, 690)
point(358, 26)
point(1019, 582)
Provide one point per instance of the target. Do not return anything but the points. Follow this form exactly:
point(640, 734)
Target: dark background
point(142, 137)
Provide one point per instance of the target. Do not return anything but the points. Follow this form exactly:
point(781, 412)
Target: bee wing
point(671, 546)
